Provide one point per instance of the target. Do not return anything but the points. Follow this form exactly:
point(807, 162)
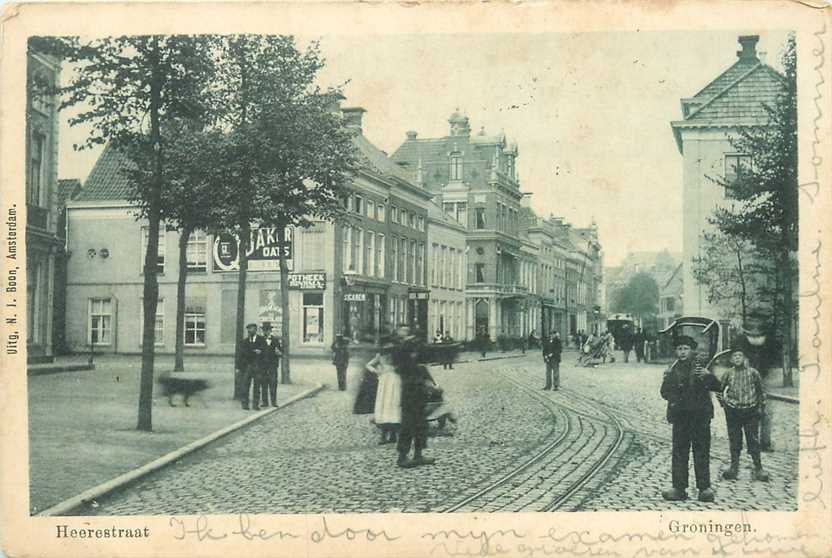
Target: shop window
point(100, 326)
point(195, 323)
point(159, 328)
point(313, 317)
point(480, 217)
point(479, 269)
point(160, 259)
point(196, 251)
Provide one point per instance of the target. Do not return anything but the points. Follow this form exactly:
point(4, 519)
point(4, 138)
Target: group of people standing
point(258, 359)
point(400, 393)
point(686, 387)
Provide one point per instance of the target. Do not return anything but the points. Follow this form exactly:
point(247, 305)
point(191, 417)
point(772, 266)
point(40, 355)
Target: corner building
point(474, 178)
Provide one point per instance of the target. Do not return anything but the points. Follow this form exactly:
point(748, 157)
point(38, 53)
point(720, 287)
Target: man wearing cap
point(272, 352)
point(341, 359)
point(686, 387)
point(250, 364)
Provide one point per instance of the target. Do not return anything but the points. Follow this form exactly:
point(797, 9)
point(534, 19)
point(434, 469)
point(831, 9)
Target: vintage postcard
point(415, 279)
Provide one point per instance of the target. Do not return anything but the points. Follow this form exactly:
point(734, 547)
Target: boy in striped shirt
point(743, 399)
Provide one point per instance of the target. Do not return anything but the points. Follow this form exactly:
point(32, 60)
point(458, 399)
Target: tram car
point(620, 325)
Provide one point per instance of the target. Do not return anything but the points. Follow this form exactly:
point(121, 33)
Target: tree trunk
point(788, 318)
point(151, 285)
point(285, 372)
point(179, 364)
point(743, 289)
point(245, 233)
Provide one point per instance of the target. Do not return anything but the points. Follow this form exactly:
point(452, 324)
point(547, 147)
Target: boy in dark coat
point(414, 426)
point(686, 386)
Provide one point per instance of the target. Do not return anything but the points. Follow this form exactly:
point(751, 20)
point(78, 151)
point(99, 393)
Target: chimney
point(749, 47)
point(411, 134)
point(334, 106)
point(353, 116)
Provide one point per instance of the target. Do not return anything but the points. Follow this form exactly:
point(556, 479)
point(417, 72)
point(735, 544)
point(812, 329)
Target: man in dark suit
point(552, 349)
point(250, 364)
point(341, 359)
point(272, 353)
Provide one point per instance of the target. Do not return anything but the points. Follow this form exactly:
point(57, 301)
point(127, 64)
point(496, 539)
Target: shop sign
point(418, 296)
point(307, 281)
point(355, 297)
point(263, 251)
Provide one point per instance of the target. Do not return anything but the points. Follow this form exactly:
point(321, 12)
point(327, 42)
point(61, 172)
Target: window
point(313, 317)
point(359, 251)
point(372, 270)
point(195, 323)
point(160, 261)
point(347, 249)
point(358, 205)
point(196, 251)
point(456, 168)
point(159, 334)
point(100, 325)
point(450, 209)
point(480, 272)
point(403, 217)
point(420, 258)
point(395, 255)
point(36, 169)
point(670, 305)
point(371, 209)
point(443, 278)
point(480, 217)
point(736, 166)
point(394, 214)
point(411, 266)
point(452, 265)
point(402, 259)
point(380, 212)
point(462, 213)
point(421, 223)
point(380, 256)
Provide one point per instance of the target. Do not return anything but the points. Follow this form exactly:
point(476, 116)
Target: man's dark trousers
point(694, 432)
point(270, 387)
point(253, 378)
point(739, 420)
point(341, 372)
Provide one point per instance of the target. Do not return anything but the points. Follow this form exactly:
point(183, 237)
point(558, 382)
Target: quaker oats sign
point(263, 251)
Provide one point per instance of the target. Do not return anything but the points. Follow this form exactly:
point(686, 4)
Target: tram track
point(574, 456)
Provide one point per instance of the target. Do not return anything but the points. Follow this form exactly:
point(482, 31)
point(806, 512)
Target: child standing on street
point(744, 399)
point(686, 387)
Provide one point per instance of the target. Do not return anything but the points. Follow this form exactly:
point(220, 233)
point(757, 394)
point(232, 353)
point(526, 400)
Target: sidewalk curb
point(98, 491)
point(59, 369)
point(785, 398)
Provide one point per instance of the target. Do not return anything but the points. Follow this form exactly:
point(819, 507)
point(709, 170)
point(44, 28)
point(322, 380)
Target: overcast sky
point(590, 112)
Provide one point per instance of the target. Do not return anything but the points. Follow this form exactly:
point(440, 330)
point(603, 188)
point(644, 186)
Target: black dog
point(186, 387)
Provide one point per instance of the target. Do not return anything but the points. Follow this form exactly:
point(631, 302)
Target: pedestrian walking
point(686, 387)
point(482, 339)
point(552, 349)
point(743, 399)
point(415, 380)
point(387, 412)
point(625, 341)
point(638, 345)
point(447, 351)
point(272, 353)
point(341, 359)
point(250, 365)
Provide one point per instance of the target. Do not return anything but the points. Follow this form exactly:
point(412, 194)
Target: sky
point(590, 113)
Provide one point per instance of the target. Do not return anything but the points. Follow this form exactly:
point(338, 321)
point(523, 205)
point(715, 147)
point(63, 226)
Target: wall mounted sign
point(355, 297)
point(263, 251)
point(307, 281)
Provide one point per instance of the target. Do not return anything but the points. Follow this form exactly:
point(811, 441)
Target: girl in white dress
point(388, 411)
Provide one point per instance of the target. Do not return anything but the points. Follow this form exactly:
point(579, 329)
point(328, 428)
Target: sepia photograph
point(319, 274)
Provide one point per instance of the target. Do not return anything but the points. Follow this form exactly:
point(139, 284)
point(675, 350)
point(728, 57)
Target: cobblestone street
point(316, 456)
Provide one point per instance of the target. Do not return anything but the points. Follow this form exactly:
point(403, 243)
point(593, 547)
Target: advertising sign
point(355, 297)
point(307, 281)
point(263, 251)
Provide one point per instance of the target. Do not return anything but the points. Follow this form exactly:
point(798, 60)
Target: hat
point(266, 326)
point(684, 340)
point(248, 326)
point(737, 349)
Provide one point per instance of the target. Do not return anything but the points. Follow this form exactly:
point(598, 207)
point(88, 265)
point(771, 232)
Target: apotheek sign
point(263, 251)
point(307, 281)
